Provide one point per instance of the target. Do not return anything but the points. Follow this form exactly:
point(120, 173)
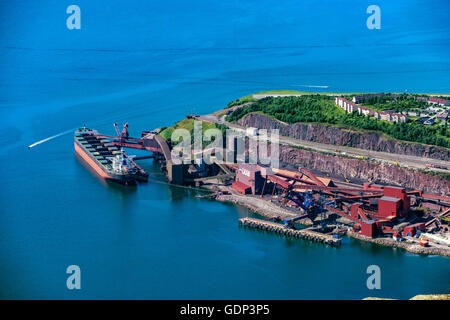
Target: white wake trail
point(310, 86)
point(51, 138)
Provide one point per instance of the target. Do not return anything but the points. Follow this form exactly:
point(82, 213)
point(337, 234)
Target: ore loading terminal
point(299, 203)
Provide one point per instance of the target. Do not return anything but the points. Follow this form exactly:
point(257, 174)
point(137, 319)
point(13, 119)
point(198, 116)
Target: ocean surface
point(149, 63)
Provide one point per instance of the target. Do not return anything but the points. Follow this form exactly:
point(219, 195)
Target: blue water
point(150, 63)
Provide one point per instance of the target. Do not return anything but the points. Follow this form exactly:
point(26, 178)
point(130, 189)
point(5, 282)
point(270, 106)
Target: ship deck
point(100, 149)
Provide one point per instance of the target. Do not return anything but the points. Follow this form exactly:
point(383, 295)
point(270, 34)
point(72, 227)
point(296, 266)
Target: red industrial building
point(249, 176)
point(389, 207)
point(411, 230)
point(400, 193)
point(373, 209)
point(394, 203)
point(241, 187)
point(368, 228)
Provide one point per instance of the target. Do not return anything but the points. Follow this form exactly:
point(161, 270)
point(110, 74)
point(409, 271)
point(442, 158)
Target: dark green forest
point(397, 103)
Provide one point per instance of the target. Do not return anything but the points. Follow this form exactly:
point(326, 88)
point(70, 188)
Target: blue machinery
point(310, 208)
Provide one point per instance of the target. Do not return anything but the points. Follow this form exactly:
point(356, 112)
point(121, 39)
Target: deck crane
point(123, 140)
point(124, 134)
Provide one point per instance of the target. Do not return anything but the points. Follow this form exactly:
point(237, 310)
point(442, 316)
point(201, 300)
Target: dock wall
point(277, 228)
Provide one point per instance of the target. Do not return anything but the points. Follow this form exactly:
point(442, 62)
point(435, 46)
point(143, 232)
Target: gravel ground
point(413, 248)
point(262, 207)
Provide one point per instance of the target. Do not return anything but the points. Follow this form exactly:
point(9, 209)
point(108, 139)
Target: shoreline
point(410, 247)
point(270, 210)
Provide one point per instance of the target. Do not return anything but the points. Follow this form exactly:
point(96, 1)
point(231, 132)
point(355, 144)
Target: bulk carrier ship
point(106, 159)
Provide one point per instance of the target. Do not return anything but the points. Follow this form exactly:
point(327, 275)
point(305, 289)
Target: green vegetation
point(188, 124)
point(321, 109)
point(250, 98)
point(397, 103)
point(242, 100)
point(441, 174)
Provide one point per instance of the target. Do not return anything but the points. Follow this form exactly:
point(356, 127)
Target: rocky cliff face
point(344, 137)
point(364, 170)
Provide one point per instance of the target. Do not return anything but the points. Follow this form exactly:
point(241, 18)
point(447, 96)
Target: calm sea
point(149, 63)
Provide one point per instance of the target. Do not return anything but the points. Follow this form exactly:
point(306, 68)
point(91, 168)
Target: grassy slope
point(187, 124)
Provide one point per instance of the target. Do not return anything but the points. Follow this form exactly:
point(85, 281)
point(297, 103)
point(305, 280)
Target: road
point(383, 157)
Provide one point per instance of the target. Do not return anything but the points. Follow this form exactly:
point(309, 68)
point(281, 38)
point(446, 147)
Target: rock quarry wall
point(344, 137)
point(364, 170)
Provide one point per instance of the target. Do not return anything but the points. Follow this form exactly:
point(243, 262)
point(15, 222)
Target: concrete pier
point(278, 228)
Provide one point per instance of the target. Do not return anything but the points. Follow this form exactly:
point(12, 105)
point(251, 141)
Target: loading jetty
point(278, 228)
point(390, 215)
